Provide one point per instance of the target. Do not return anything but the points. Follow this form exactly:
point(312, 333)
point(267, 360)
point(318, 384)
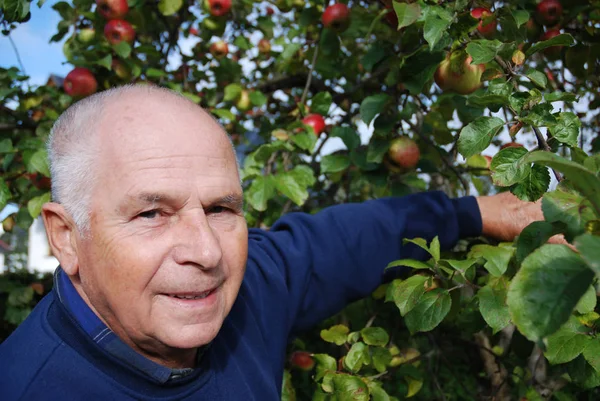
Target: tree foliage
point(499, 320)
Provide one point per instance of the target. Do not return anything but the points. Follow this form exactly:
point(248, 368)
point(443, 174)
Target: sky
point(40, 57)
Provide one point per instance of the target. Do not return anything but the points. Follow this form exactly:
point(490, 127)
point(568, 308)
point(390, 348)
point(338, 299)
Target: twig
point(17, 54)
point(495, 371)
point(308, 80)
point(544, 145)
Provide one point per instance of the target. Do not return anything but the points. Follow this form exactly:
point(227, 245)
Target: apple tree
point(335, 102)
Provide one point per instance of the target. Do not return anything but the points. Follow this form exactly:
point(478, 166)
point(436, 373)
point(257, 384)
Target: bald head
point(104, 122)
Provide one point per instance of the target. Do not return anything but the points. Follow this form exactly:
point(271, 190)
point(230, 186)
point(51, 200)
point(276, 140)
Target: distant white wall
point(39, 257)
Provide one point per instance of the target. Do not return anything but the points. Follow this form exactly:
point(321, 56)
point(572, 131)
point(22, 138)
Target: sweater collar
point(105, 338)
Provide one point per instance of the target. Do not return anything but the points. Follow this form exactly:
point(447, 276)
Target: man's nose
point(197, 242)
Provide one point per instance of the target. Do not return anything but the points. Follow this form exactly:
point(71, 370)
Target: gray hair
point(72, 151)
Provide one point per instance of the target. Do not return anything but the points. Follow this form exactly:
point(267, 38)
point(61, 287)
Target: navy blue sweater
point(303, 270)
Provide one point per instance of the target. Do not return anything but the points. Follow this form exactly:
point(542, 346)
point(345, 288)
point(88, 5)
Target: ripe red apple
point(456, 73)
point(488, 161)
point(487, 21)
point(80, 82)
point(219, 49)
point(316, 121)
point(264, 46)
point(112, 9)
point(193, 31)
point(270, 11)
point(243, 103)
point(219, 8)
point(511, 145)
point(118, 30)
point(552, 52)
point(302, 360)
point(549, 11)
point(336, 17)
point(404, 152)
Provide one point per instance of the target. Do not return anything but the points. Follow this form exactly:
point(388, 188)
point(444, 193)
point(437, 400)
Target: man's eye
point(218, 209)
point(150, 214)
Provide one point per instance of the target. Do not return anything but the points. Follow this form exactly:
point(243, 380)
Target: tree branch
point(495, 371)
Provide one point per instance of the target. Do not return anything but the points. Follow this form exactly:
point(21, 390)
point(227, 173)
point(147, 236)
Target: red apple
point(270, 11)
point(219, 49)
point(549, 11)
point(264, 46)
point(552, 52)
point(487, 21)
point(302, 360)
point(219, 8)
point(456, 73)
point(316, 121)
point(118, 30)
point(193, 31)
point(112, 9)
point(404, 152)
point(80, 82)
point(488, 161)
point(511, 145)
point(336, 17)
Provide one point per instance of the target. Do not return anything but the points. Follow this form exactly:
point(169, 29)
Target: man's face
point(167, 247)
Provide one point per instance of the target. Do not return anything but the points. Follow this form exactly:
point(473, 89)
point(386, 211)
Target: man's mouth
point(200, 295)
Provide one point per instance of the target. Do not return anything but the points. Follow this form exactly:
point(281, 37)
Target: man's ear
point(62, 233)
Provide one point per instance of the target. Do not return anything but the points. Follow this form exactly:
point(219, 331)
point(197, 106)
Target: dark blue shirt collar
point(104, 337)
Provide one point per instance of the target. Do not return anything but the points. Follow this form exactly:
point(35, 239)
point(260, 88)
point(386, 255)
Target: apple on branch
point(549, 11)
point(404, 152)
point(243, 103)
point(80, 82)
point(552, 52)
point(456, 73)
point(219, 49)
point(487, 21)
point(117, 31)
point(336, 17)
point(302, 360)
point(218, 8)
point(112, 9)
point(264, 46)
point(316, 121)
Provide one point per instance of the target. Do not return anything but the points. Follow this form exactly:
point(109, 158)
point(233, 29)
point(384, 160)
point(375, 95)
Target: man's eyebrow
point(234, 201)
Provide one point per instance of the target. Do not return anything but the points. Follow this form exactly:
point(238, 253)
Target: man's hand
point(504, 216)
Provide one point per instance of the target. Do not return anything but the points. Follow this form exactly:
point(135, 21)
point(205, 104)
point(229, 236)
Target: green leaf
point(540, 116)
point(537, 77)
point(587, 303)
point(349, 388)
point(224, 113)
point(242, 42)
point(429, 312)
point(497, 257)
point(591, 353)
point(520, 16)
point(407, 294)
point(336, 334)
point(34, 206)
point(321, 103)
point(483, 51)
point(436, 25)
point(380, 358)
point(434, 248)
point(375, 336)
point(569, 208)
point(304, 140)
point(348, 136)
point(560, 96)
point(5, 194)
point(582, 179)
point(568, 342)
point(407, 14)
point(324, 364)
point(492, 303)
point(289, 51)
point(155, 73)
point(6, 146)
point(534, 186)
point(123, 49)
point(38, 163)
point(477, 135)
point(373, 105)
point(261, 190)
point(334, 163)
point(535, 235)
point(15, 10)
point(258, 98)
point(507, 167)
point(288, 392)
point(374, 55)
point(105, 62)
point(357, 357)
point(583, 374)
point(588, 247)
point(232, 91)
point(415, 264)
point(546, 289)
point(289, 187)
point(567, 128)
point(169, 7)
point(563, 39)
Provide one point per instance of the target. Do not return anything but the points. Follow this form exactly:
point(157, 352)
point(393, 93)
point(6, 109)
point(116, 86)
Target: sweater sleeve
point(332, 258)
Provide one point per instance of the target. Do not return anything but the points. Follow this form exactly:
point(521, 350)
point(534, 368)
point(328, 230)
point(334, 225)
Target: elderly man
point(162, 291)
